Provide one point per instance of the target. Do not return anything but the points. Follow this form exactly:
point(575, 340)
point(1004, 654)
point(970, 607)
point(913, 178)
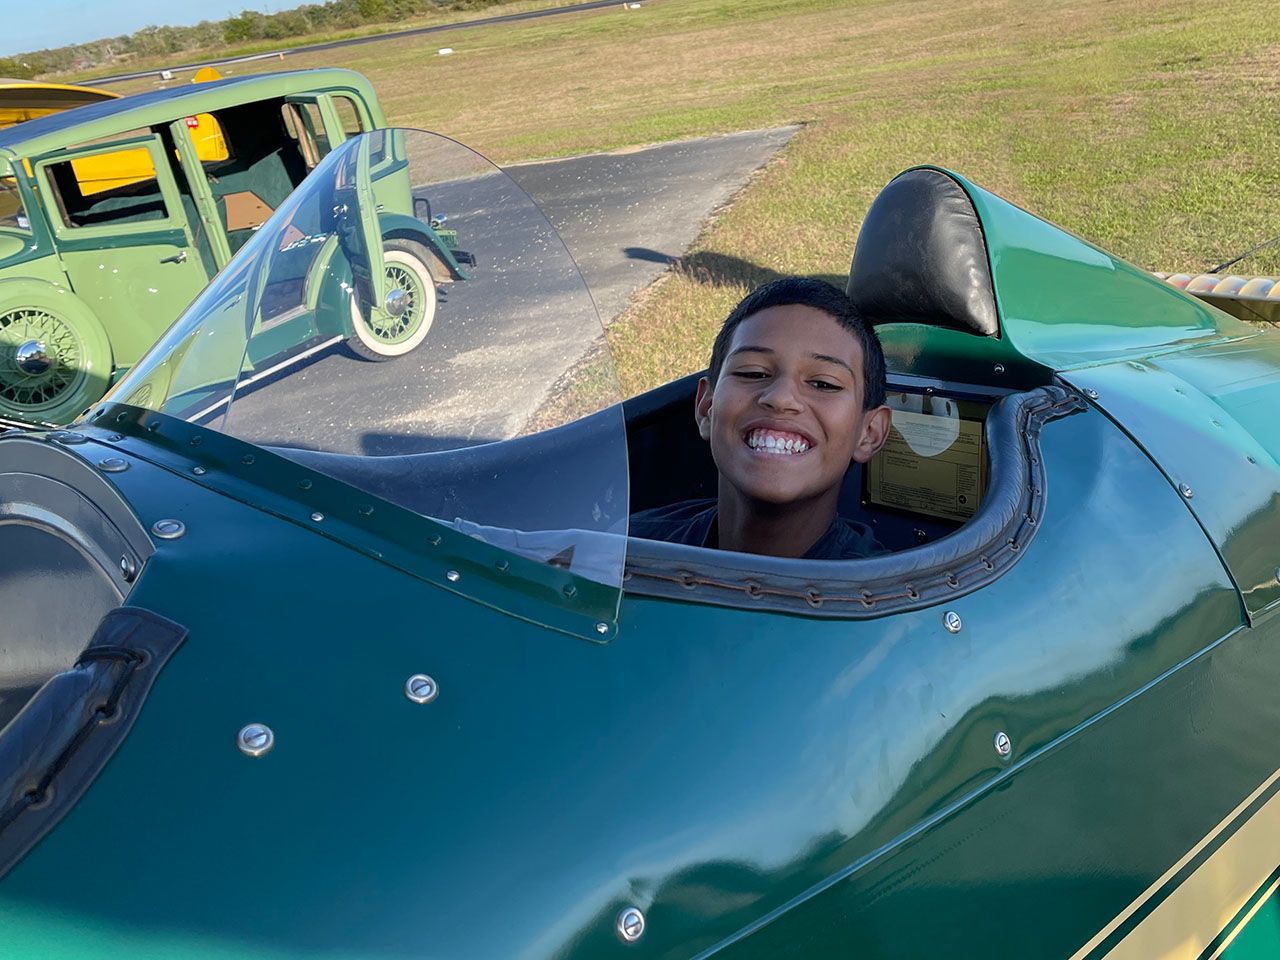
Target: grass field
point(1148, 127)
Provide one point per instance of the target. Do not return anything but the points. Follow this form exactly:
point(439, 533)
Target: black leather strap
point(922, 257)
point(54, 748)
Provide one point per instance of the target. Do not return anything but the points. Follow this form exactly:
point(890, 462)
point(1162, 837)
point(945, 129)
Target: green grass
point(1152, 129)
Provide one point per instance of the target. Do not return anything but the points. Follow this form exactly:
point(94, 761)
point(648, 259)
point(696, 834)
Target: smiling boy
point(794, 394)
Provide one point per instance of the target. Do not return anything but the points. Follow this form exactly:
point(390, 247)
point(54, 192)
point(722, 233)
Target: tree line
point(247, 27)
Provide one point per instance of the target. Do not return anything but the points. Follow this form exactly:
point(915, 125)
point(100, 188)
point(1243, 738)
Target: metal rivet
point(999, 368)
point(128, 568)
point(503, 566)
point(199, 471)
point(304, 484)
point(247, 459)
point(1091, 394)
point(114, 465)
point(317, 516)
point(255, 739)
point(1004, 746)
point(194, 441)
point(366, 511)
point(67, 437)
point(570, 590)
point(1186, 491)
point(602, 628)
point(630, 924)
point(169, 529)
point(951, 620)
point(116, 437)
point(421, 688)
point(453, 576)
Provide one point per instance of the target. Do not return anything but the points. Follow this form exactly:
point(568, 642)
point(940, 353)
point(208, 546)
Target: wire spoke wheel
point(409, 285)
point(41, 359)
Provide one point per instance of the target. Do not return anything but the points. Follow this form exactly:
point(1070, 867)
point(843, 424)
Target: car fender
point(398, 225)
point(29, 292)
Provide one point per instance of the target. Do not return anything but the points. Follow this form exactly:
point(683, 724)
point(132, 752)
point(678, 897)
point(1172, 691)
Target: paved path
point(625, 216)
point(502, 339)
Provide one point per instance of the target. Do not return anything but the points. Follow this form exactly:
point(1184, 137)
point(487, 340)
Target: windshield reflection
point(401, 320)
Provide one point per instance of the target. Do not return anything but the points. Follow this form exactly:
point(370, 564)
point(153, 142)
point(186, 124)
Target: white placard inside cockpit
point(934, 461)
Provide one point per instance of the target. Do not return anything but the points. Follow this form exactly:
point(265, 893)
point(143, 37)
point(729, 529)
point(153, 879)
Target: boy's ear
point(702, 408)
point(875, 431)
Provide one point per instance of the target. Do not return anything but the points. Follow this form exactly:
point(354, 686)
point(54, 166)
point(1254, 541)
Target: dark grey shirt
point(693, 522)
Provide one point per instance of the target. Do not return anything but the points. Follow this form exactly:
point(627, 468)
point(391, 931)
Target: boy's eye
point(825, 385)
point(749, 374)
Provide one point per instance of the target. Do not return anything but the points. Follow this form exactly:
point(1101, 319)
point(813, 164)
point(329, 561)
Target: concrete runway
point(502, 339)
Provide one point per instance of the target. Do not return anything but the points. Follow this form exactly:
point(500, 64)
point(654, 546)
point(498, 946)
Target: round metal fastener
point(602, 628)
point(169, 529)
point(631, 924)
point(1091, 394)
point(114, 465)
point(317, 516)
point(199, 471)
point(421, 688)
point(255, 739)
point(1186, 491)
point(453, 576)
point(951, 620)
point(128, 568)
point(999, 368)
point(68, 437)
point(1004, 746)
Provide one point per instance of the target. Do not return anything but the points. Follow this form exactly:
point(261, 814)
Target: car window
point(118, 186)
point(305, 124)
point(348, 116)
point(13, 216)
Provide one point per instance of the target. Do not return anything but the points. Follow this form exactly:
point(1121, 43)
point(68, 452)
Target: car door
point(128, 251)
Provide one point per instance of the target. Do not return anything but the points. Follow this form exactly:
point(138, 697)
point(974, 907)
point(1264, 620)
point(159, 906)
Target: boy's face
point(785, 418)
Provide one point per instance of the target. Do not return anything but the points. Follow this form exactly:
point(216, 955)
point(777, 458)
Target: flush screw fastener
point(255, 740)
point(421, 688)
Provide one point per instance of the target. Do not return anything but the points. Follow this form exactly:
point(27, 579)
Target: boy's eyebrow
point(751, 348)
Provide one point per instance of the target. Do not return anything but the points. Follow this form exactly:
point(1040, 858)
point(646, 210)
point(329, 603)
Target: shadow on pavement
point(721, 270)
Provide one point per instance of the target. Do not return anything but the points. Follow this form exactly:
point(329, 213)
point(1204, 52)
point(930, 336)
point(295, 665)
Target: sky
point(36, 24)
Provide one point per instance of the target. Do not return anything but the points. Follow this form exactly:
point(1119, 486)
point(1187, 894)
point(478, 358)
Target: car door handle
point(179, 257)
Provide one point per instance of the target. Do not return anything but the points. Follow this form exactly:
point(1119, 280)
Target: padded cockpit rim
point(975, 555)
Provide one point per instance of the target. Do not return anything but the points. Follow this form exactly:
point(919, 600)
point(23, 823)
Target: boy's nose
point(780, 395)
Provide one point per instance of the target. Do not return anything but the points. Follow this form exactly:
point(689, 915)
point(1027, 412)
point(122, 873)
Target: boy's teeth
point(763, 440)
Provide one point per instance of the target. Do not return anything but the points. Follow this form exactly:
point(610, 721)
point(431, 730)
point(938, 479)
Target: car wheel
point(51, 368)
point(408, 275)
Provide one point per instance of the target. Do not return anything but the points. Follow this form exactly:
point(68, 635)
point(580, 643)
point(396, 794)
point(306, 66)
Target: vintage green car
point(112, 219)
point(317, 658)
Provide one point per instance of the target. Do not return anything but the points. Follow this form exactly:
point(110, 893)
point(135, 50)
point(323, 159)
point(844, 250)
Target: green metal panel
point(1207, 416)
point(762, 784)
point(1065, 303)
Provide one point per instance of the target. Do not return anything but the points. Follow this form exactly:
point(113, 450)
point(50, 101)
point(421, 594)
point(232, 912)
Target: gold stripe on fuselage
point(1187, 921)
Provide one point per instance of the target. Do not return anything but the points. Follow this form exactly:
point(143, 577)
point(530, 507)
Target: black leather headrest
point(921, 257)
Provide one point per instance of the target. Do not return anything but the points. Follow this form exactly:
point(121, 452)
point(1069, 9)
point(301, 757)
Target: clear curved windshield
point(410, 323)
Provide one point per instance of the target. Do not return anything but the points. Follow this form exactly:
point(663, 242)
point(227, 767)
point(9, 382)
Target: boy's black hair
point(808, 292)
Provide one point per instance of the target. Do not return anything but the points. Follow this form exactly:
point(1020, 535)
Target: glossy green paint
point(1207, 416)
point(762, 785)
point(1063, 304)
